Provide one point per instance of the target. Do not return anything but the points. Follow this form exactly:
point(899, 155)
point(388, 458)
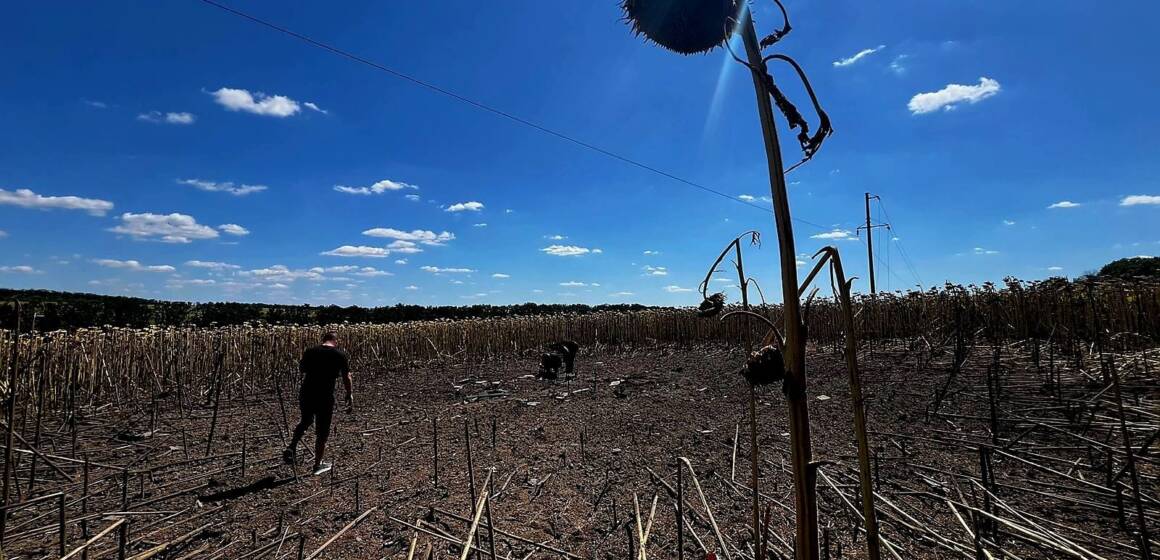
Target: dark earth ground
point(568, 457)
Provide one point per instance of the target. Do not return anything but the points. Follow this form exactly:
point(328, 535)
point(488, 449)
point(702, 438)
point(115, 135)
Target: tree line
point(47, 310)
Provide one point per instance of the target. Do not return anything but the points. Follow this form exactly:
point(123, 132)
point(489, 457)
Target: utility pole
point(869, 227)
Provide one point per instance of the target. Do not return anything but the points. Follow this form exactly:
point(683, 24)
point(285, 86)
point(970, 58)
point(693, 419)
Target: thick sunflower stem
point(805, 490)
point(873, 545)
point(742, 283)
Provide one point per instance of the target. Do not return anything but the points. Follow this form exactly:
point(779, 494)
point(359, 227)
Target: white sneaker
point(322, 468)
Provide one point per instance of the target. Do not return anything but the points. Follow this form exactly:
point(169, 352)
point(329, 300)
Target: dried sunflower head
point(764, 367)
point(712, 305)
point(683, 26)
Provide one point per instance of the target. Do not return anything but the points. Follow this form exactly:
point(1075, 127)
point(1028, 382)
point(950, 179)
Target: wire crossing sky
point(202, 150)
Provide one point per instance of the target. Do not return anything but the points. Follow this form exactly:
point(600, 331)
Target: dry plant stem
point(9, 408)
point(743, 284)
point(1145, 545)
point(467, 542)
point(355, 521)
point(805, 491)
point(864, 475)
point(84, 547)
point(708, 510)
point(487, 514)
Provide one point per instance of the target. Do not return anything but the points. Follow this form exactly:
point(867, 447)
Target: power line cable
point(901, 248)
point(878, 259)
point(484, 107)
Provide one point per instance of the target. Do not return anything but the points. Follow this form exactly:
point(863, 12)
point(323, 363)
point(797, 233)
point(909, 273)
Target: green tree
point(1134, 267)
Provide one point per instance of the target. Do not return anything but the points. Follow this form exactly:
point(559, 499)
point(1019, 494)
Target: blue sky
point(208, 158)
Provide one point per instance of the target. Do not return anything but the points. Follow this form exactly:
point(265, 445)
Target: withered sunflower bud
point(764, 367)
point(683, 26)
point(712, 305)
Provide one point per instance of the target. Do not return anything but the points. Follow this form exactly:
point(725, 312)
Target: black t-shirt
point(322, 366)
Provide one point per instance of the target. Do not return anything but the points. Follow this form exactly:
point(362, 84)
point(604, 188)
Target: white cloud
point(412, 287)
point(257, 103)
point(413, 197)
point(652, 253)
point(405, 247)
point(465, 207)
point(621, 294)
point(952, 95)
point(1008, 222)
point(282, 274)
point(1065, 204)
point(501, 276)
point(157, 117)
point(1140, 199)
point(28, 199)
point(96, 104)
point(19, 269)
point(212, 265)
point(1055, 268)
point(168, 228)
point(479, 225)
point(751, 198)
point(379, 188)
point(437, 270)
point(840, 63)
point(400, 261)
point(556, 237)
point(674, 289)
point(573, 284)
point(842, 234)
point(227, 187)
point(656, 271)
point(982, 251)
point(357, 251)
point(426, 237)
point(234, 229)
point(897, 65)
point(177, 283)
point(133, 265)
point(336, 269)
point(314, 107)
point(371, 272)
point(568, 250)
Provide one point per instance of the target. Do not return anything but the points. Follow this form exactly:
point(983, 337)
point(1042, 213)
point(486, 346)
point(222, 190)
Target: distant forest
point(48, 310)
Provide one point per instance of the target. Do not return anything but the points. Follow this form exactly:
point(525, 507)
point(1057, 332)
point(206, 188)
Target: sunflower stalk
point(697, 26)
point(716, 301)
point(801, 449)
point(865, 480)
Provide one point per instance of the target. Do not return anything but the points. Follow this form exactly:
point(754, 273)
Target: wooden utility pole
point(870, 245)
point(869, 227)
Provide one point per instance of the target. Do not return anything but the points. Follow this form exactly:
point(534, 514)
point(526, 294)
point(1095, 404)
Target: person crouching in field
point(562, 353)
point(321, 366)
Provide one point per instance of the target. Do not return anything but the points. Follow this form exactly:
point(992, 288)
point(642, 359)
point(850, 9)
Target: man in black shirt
point(322, 366)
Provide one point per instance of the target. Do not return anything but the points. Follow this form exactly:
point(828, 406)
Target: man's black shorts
point(320, 409)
